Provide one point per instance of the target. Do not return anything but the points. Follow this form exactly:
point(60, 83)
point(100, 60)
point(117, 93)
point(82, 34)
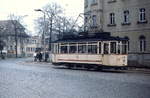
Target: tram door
point(105, 52)
point(106, 47)
point(109, 52)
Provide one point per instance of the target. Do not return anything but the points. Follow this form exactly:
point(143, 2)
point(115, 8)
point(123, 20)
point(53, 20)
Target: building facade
point(13, 35)
point(124, 18)
point(33, 44)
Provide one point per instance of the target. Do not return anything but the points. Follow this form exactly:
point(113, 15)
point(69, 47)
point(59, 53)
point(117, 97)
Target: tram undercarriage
point(89, 66)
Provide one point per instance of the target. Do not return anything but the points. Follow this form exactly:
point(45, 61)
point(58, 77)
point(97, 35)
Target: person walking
point(35, 56)
point(40, 56)
point(46, 56)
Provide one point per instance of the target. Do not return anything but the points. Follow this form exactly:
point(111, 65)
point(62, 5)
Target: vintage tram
point(96, 51)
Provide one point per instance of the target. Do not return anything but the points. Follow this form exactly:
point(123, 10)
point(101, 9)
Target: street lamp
point(1, 42)
point(44, 31)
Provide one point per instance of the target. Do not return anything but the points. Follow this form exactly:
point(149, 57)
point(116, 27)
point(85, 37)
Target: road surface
point(22, 78)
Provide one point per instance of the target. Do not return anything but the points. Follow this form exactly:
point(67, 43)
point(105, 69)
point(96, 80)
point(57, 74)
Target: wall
point(133, 31)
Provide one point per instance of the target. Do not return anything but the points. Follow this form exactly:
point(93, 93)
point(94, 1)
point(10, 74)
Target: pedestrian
point(40, 56)
point(46, 56)
point(35, 56)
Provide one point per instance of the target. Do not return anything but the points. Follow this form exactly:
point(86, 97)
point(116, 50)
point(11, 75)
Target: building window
point(126, 17)
point(86, 23)
point(94, 2)
point(94, 19)
point(86, 20)
point(142, 16)
point(112, 19)
point(86, 3)
point(111, 1)
point(142, 41)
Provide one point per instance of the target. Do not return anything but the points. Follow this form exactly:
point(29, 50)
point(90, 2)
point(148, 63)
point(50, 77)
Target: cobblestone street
point(21, 78)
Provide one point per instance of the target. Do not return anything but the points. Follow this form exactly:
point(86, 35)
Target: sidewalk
point(138, 70)
point(31, 62)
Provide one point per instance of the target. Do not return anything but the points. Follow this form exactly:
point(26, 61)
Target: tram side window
point(119, 48)
point(106, 48)
point(55, 48)
point(53, 51)
point(92, 49)
point(64, 49)
point(72, 49)
point(113, 47)
point(100, 48)
point(58, 48)
point(82, 48)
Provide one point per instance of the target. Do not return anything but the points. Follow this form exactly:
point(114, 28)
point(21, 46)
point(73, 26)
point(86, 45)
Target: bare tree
point(49, 24)
point(56, 22)
point(16, 20)
point(53, 11)
point(67, 24)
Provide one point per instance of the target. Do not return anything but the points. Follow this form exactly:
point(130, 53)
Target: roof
point(102, 36)
point(7, 28)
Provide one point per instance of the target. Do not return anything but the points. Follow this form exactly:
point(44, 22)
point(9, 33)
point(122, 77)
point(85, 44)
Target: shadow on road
point(137, 71)
point(90, 70)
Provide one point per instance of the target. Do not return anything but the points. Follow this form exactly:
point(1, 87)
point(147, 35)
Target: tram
point(98, 51)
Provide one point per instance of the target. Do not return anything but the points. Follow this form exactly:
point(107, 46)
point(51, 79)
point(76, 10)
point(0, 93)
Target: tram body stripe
point(80, 60)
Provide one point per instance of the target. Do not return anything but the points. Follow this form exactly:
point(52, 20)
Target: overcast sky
point(26, 7)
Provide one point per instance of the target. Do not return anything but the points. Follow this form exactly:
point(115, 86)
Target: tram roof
point(105, 36)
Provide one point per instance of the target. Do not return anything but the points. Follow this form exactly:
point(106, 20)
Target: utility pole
point(1, 46)
point(44, 30)
point(50, 35)
point(16, 41)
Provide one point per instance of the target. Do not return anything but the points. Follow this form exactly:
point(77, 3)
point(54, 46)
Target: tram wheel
point(69, 67)
point(88, 67)
point(100, 68)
